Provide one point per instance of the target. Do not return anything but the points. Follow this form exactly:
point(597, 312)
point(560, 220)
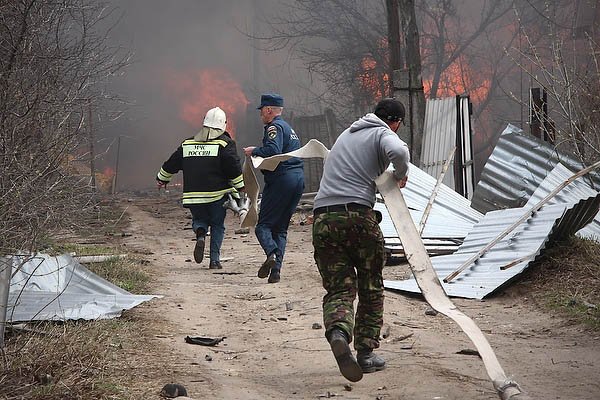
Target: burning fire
point(104, 179)
point(371, 79)
point(199, 91)
point(460, 78)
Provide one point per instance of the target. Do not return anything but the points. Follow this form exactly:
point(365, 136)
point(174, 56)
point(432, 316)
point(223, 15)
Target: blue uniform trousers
point(279, 200)
point(210, 215)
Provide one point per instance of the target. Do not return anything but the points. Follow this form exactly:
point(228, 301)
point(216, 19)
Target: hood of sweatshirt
point(368, 121)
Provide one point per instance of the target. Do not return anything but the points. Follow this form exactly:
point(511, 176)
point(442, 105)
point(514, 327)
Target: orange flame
point(372, 81)
point(199, 91)
point(459, 78)
point(104, 179)
point(373, 78)
point(109, 172)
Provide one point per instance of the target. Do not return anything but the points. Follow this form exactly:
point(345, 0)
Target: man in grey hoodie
point(348, 243)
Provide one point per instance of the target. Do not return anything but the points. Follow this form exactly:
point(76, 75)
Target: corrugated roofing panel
point(59, 288)
point(579, 189)
point(450, 217)
point(517, 167)
point(439, 136)
point(447, 202)
point(526, 241)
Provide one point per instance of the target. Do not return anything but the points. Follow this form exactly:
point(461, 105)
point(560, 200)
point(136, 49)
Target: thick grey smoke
point(189, 56)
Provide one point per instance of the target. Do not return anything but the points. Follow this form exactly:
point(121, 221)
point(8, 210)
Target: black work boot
point(344, 357)
point(265, 268)
point(215, 265)
point(274, 276)
point(199, 248)
point(369, 361)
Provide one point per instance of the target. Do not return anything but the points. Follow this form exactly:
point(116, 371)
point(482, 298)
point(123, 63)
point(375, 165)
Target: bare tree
point(343, 42)
point(448, 35)
point(54, 59)
point(566, 66)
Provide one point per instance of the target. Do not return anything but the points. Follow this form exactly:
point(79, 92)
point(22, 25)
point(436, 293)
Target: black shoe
point(269, 263)
point(215, 265)
point(274, 276)
point(370, 362)
point(199, 248)
point(343, 356)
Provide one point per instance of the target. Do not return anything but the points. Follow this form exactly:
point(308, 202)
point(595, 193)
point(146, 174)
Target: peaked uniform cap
point(270, 99)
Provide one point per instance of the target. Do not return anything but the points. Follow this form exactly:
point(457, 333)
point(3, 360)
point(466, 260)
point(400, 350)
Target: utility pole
point(406, 77)
point(393, 20)
point(92, 155)
point(114, 186)
point(255, 52)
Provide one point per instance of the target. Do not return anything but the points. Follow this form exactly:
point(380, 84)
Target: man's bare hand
point(248, 150)
point(402, 182)
point(161, 185)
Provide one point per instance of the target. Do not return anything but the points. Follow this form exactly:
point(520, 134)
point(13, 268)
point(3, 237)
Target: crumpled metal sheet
point(486, 276)
point(450, 218)
point(579, 189)
point(58, 288)
point(516, 169)
point(523, 245)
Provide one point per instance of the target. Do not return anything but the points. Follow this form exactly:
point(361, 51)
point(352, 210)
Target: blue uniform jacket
point(279, 138)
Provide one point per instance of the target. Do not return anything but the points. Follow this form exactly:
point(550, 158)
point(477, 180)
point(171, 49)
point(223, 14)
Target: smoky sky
point(187, 56)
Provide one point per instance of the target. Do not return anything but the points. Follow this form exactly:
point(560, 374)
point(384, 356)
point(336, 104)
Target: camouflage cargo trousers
point(349, 251)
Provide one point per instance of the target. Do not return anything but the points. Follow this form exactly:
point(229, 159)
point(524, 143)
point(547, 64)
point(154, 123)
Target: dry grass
point(567, 280)
point(127, 273)
point(62, 361)
point(105, 359)
point(95, 233)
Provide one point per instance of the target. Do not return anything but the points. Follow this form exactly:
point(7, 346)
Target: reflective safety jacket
point(210, 168)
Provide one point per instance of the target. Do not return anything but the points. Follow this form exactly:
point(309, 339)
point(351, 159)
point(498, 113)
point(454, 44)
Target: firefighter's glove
point(231, 204)
point(161, 185)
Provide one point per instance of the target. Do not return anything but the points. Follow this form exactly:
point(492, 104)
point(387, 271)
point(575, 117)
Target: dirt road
point(274, 346)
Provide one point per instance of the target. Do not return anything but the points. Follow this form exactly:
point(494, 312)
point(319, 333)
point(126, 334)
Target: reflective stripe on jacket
point(211, 169)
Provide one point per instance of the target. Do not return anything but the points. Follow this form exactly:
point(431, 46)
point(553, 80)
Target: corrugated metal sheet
point(579, 189)
point(450, 218)
point(526, 241)
point(444, 120)
point(447, 203)
point(59, 288)
point(517, 166)
point(439, 136)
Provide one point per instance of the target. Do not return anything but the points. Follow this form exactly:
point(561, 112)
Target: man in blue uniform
point(283, 186)
point(211, 170)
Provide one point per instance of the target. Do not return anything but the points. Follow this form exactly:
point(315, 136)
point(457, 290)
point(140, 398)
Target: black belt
point(341, 208)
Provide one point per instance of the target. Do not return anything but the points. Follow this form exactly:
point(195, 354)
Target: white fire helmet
point(215, 118)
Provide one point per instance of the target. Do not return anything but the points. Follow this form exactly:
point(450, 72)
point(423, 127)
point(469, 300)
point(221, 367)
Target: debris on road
point(204, 341)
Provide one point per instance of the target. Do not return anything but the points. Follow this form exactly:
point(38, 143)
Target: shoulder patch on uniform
point(272, 132)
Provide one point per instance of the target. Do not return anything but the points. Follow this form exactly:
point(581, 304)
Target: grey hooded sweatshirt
point(360, 154)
